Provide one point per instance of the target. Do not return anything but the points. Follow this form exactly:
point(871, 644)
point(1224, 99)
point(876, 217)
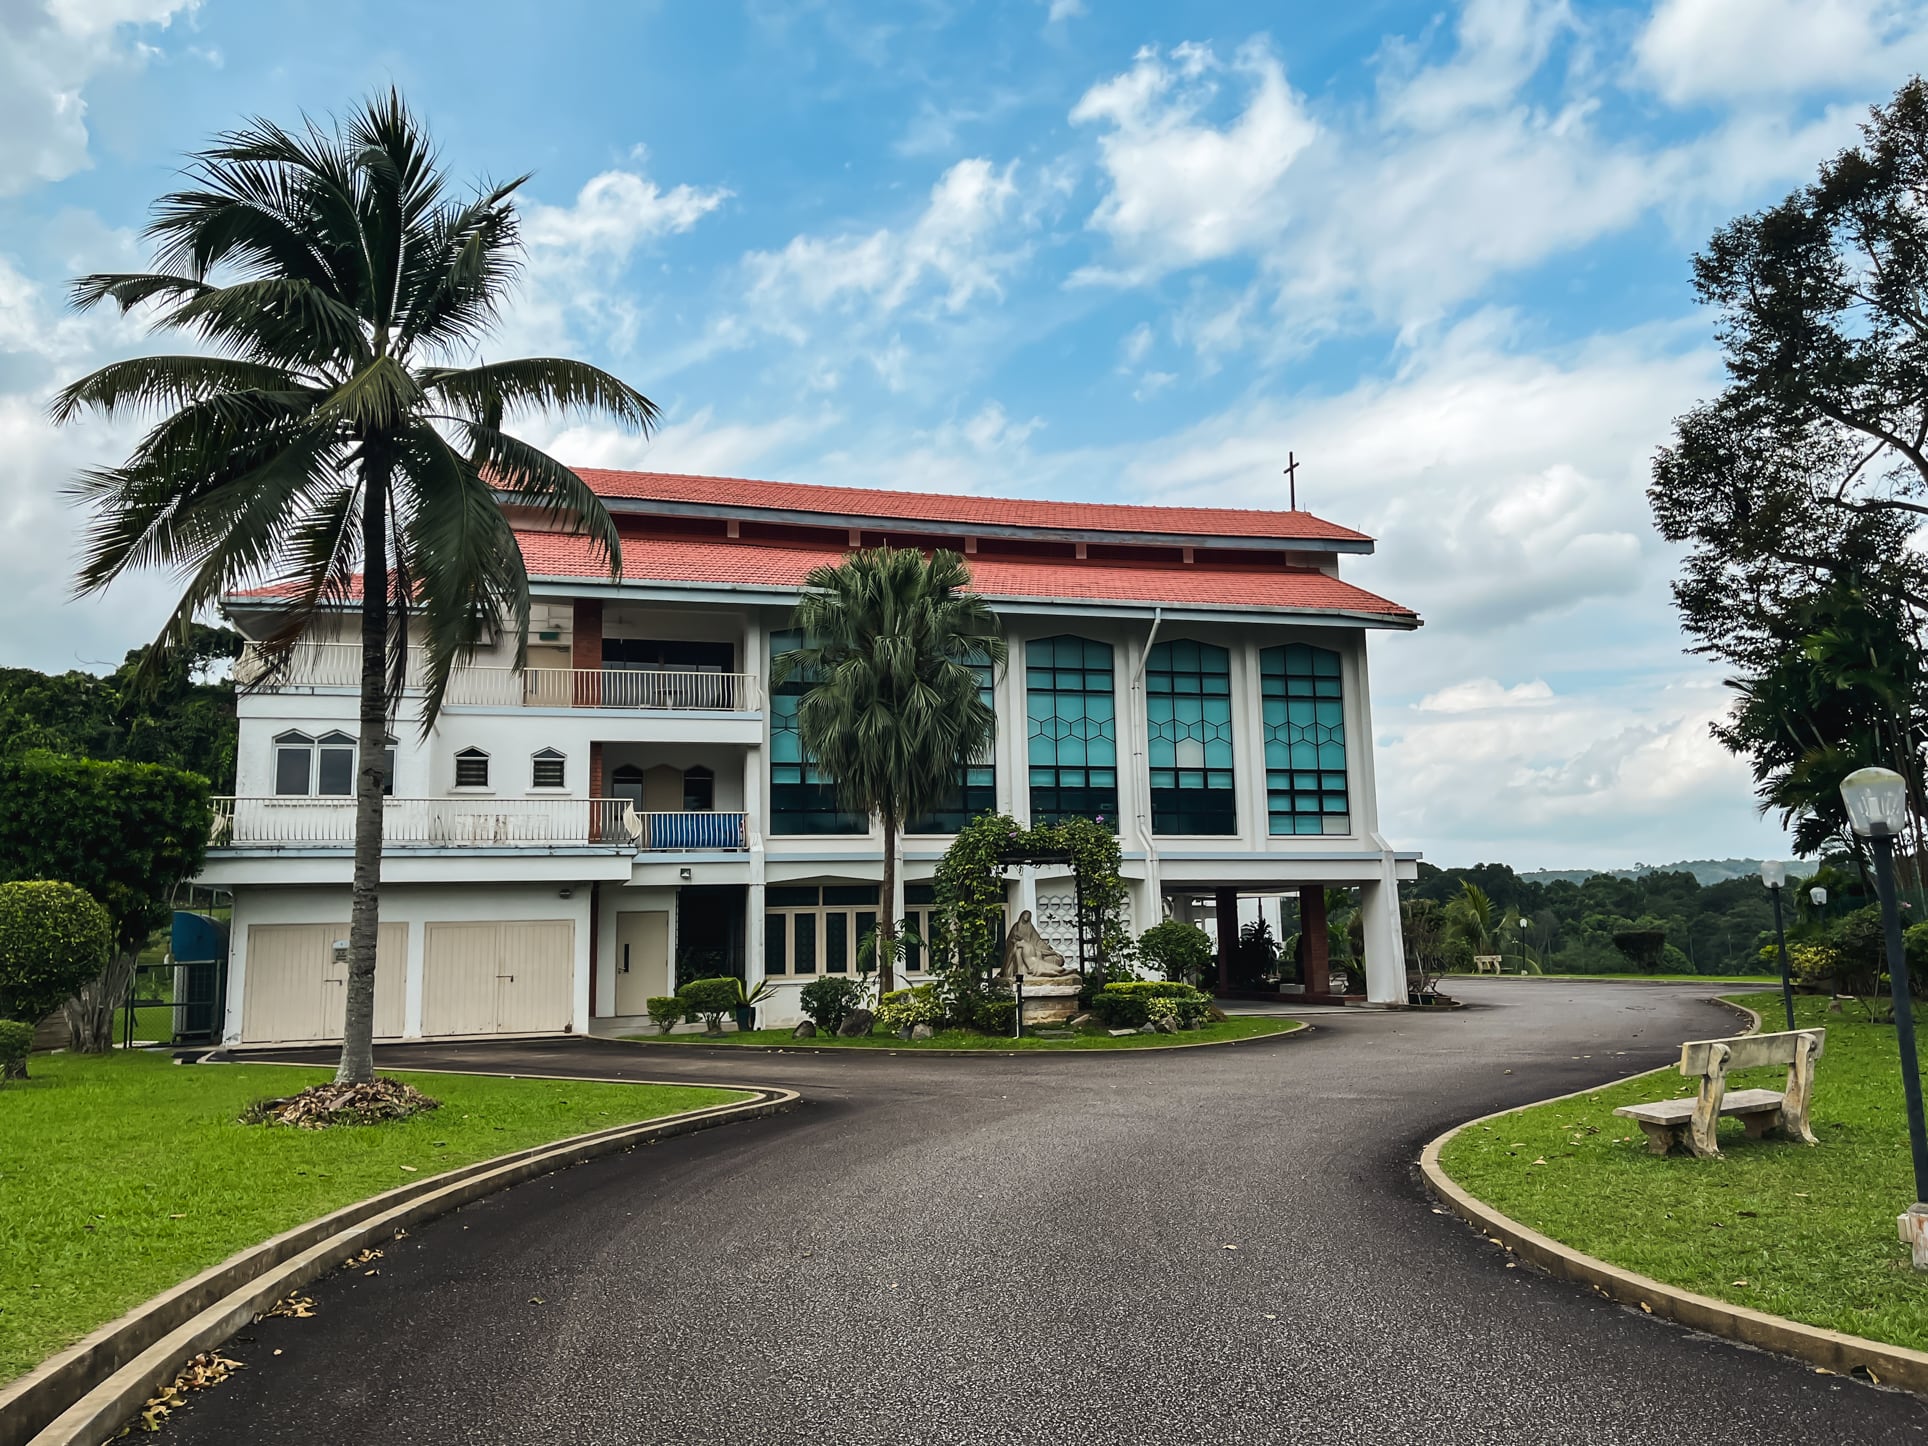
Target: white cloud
point(1478, 695)
point(1062, 10)
point(947, 257)
point(1182, 190)
point(50, 52)
point(614, 213)
point(1699, 50)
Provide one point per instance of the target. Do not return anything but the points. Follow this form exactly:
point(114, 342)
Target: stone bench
point(1692, 1123)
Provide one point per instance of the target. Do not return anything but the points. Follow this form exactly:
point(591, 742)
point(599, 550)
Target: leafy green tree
point(328, 443)
point(1178, 950)
point(892, 712)
point(126, 833)
point(53, 939)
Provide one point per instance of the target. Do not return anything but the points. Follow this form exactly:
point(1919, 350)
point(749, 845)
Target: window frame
point(1197, 678)
point(312, 747)
point(471, 754)
point(1315, 688)
point(543, 757)
point(1099, 800)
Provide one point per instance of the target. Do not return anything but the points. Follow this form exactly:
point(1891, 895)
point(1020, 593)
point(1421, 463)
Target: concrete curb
point(87, 1393)
point(1830, 1350)
point(1299, 1026)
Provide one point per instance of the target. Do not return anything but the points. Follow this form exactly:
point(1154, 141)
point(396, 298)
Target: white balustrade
point(454, 822)
point(338, 665)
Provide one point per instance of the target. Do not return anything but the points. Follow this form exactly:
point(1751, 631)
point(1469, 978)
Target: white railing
point(338, 665)
point(471, 822)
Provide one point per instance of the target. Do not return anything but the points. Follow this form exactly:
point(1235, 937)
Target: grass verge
point(1239, 1026)
point(124, 1174)
point(1804, 1233)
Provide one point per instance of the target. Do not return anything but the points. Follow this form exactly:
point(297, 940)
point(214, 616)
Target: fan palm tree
point(329, 445)
point(892, 713)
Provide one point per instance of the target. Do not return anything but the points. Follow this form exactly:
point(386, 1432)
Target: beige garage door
point(293, 990)
point(498, 978)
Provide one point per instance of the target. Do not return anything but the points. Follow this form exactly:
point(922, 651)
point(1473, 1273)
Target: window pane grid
point(802, 800)
point(1071, 730)
point(1188, 717)
point(1302, 698)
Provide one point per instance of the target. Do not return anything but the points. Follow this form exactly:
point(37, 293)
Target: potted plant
point(747, 1001)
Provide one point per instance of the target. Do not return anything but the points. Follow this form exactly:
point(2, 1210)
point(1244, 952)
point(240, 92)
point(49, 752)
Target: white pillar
point(1385, 942)
point(412, 981)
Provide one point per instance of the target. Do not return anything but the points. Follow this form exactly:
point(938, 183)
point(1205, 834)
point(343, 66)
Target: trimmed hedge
point(711, 998)
point(16, 1040)
point(1129, 1005)
point(665, 1010)
point(826, 999)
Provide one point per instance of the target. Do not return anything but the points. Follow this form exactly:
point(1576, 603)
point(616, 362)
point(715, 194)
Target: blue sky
point(1071, 248)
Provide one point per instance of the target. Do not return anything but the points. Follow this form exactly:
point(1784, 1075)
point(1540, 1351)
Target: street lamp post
point(1522, 946)
point(1877, 800)
point(1774, 875)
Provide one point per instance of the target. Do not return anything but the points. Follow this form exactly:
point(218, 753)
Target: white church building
point(634, 804)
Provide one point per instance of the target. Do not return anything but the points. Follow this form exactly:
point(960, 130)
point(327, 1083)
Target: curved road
point(1034, 1250)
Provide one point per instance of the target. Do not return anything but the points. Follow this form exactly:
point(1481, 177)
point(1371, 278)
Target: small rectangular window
point(775, 944)
point(472, 769)
point(548, 770)
point(291, 771)
point(336, 773)
point(388, 771)
point(836, 943)
point(806, 942)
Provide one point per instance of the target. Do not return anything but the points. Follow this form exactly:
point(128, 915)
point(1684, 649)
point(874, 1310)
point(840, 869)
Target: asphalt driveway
point(1224, 1245)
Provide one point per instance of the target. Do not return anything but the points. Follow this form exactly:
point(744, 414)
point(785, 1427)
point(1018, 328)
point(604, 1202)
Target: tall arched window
point(1188, 718)
point(976, 788)
point(1072, 720)
point(1305, 740)
point(699, 789)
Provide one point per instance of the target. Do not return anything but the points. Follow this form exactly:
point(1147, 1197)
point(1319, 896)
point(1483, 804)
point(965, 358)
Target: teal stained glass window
point(1072, 722)
point(976, 788)
point(1188, 715)
point(1305, 740)
point(802, 800)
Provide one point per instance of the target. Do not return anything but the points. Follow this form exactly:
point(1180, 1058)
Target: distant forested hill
point(1706, 871)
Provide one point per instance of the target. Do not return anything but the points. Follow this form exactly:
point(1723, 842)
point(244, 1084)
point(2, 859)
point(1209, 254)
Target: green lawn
point(1800, 1232)
point(121, 1175)
point(1239, 1026)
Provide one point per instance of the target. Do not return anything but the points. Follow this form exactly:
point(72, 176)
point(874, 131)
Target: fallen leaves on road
point(210, 1368)
point(293, 1305)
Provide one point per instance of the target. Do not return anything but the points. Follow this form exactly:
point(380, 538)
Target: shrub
point(1120, 1011)
point(828, 999)
point(712, 999)
point(995, 1016)
point(1161, 1011)
point(1128, 1005)
point(1181, 952)
point(16, 1039)
point(664, 1011)
point(53, 939)
point(901, 1009)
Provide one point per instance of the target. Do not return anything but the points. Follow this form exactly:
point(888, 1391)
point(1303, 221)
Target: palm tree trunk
point(887, 913)
point(358, 1025)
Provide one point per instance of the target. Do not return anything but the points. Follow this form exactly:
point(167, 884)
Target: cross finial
point(1292, 478)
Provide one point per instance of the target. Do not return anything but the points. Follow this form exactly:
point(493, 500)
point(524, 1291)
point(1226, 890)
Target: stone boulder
point(806, 1030)
point(856, 1024)
point(921, 1031)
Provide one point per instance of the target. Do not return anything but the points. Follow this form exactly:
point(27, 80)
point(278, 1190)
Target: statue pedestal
point(1051, 999)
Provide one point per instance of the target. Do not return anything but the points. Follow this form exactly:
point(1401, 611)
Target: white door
point(498, 978)
point(294, 991)
point(642, 959)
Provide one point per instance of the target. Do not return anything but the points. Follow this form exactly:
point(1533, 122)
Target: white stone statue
point(1028, 955)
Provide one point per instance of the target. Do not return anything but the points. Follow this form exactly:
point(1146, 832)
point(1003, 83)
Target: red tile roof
point(873, 503)
point(559, 556)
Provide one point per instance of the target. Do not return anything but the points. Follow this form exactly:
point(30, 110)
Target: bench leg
point(1799, 1093)
point(1759, 1126)
point(1661, 1139)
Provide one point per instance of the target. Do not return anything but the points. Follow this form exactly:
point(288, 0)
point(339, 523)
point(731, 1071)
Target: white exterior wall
point(734, 746)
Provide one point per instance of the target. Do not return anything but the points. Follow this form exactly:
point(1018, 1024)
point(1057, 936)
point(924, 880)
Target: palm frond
point(531, 476)
point(542, 384)
point(177, 381)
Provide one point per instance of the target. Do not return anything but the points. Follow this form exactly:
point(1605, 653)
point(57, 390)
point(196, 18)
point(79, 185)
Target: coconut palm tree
point(892, 713)
point(328, 443)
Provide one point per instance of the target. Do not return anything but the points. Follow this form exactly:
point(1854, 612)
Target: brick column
point(585, 651)
point(1227, 935)
point(1316, 952)
point(595, 782)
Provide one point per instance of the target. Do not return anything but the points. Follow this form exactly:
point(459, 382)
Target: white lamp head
point(1773, 873)
point(1818, 895)
point(1877, 800)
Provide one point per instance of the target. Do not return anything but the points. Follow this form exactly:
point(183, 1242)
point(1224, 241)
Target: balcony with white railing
point(338, 665)
point(611, 823)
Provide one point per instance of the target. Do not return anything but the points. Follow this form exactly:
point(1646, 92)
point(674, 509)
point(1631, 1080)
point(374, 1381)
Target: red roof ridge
point(964, 508)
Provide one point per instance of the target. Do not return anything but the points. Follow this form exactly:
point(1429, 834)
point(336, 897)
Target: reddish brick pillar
point(1227, 935)
point(1316, 951)
point(585, 651)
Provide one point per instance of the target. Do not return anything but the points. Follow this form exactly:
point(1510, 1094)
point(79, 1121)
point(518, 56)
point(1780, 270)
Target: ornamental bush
point(995, 1016)
point(664, 1011)
point(710, 998)
point(1128, 1005)
point(826, 1000)
point(1181, 952)
point(16, 1039)
point(903, 1009)
point(54, 938)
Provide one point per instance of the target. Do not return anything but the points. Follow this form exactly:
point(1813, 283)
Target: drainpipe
point(1142, 770)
